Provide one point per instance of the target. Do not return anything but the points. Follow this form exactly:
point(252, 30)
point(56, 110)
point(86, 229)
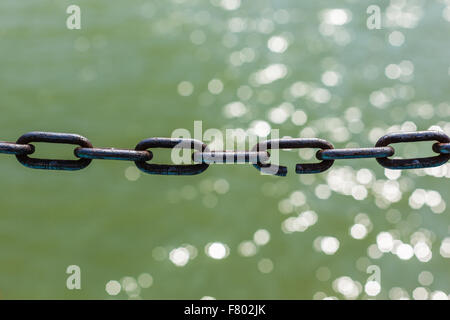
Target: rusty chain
point(258, 156)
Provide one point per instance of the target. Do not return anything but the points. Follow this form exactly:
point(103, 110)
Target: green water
point(115, 82)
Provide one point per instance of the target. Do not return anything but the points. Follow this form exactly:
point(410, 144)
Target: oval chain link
point(416, 163)
point(52, 164)
point(171, 169)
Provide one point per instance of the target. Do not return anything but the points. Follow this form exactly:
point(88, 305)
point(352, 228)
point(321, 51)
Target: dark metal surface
point(113, 154)
point(14, 148)
point(294, 143)
point(171, 169)
point(233, 157)
point(441, 147)
point(402, 137)
point(354, 153)
point(51, 164)
point(258, 156)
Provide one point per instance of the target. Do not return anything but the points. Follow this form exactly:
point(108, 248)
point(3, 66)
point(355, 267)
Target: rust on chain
point(294, 143)
point(113, 154)
point(441, 147)
point(14, 148)
point(51, 164)
point(417, 163)
point(171, 169)
point(232, 157)
point(354, 153)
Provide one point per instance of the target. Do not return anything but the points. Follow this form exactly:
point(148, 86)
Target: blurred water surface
point(143, 69)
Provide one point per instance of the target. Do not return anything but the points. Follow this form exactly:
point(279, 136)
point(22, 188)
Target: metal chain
point(202, 157)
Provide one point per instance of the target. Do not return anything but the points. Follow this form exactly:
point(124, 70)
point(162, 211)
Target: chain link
point(355, 153)
point(113, 154)
point(51, 164)
point(232, 157)
point(170, 169)
point(402, 137)
point(202, 157)
point(441, 147)
point(17, 149)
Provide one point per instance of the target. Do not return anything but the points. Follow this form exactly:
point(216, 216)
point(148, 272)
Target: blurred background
point(143, 69)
